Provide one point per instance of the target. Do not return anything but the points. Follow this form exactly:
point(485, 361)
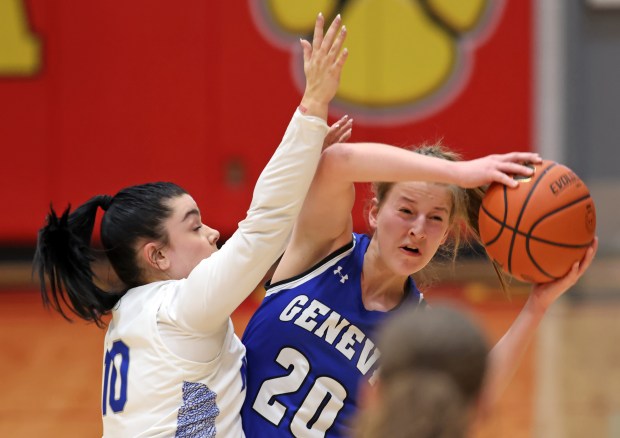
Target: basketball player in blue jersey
point(172, 365)
point(312, 340)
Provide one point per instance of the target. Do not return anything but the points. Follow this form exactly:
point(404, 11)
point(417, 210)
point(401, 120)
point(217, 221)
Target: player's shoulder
point(313, 272)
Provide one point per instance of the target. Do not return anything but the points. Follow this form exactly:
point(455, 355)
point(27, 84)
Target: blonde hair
point(463, 220)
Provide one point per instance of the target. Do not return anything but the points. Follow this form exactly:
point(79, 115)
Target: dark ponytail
point(64, 255)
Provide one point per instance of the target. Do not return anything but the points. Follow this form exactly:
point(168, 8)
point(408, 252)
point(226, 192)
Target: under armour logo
point(343, 278)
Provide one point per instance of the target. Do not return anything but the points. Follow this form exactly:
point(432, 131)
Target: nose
point(212, 235)
point(418, 228)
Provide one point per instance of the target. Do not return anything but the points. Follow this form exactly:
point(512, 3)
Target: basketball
point(537, 231)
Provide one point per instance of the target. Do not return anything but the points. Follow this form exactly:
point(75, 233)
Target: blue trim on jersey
point(310, 345)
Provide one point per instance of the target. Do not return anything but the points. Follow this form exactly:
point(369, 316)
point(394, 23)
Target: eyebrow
point(413, 201)
point(192, 212)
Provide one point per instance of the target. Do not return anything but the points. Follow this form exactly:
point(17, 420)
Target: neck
point(381, 289)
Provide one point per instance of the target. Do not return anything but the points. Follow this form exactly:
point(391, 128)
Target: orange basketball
point(536, 231)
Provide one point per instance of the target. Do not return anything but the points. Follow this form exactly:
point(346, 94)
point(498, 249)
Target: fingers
point(523, 157)
point(547, 293)
point(342, 121)
point(331, 34)
point(515, 169)
point(323, 63)
point(342, 125)
point(580, 267)
point(307, 49)
point(317, 39)
point(344, 130)
point(345, 136)
point(573, 274)
point(336, 47)
point(588, 257)
point(505, 179)
point(508, 169)
point(341, 59)
point(339, 132)
point(510, 182)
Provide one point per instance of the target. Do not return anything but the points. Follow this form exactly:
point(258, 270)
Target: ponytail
point(64, 256)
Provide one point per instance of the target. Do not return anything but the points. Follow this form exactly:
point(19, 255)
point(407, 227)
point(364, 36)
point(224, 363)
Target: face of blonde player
point(410, 225)
point(189, 240)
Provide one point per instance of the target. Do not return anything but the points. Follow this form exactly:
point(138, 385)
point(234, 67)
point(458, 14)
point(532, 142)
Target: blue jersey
point(309, 345)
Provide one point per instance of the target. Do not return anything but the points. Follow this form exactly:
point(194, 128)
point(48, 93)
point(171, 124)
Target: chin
point(412, 268)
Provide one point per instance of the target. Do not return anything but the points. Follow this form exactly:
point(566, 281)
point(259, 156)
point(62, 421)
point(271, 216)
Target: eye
point(405, 210)
point(437, 218)
point(198, 227)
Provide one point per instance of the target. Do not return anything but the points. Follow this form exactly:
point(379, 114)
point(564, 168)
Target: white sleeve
point(216, 287)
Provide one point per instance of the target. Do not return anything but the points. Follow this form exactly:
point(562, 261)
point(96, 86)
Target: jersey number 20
point(320, 406)
point(115, 393)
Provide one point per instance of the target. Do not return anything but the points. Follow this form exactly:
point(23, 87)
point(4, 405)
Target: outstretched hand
point(496, 168)
point(545, 294)
point(323, 62)
point(339, 132)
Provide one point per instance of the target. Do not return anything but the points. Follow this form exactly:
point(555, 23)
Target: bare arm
point(325, 222)
point(506, 356)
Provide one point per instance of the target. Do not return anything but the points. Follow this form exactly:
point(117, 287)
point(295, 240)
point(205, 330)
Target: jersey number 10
point(115, 389)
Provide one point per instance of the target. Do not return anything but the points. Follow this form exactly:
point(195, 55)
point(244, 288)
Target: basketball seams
point(531, 230)
point(540, 233)
point(502, 223)
point(520, 216)
point(535, 238)
point(551, 213)
point(542, 271)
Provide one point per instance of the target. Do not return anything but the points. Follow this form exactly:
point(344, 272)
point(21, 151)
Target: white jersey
point(173, 366)
point(150, 391)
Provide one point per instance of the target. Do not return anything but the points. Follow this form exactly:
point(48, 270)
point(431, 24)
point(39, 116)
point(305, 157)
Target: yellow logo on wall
point(406, 56)
point(20, 49)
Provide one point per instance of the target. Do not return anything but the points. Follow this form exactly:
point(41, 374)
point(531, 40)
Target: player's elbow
point(336, 159)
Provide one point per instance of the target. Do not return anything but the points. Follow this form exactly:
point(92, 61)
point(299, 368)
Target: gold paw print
point(20, 53)
point(402, 51)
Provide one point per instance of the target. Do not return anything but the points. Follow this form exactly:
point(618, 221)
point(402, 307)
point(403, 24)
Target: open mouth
point(412, 250)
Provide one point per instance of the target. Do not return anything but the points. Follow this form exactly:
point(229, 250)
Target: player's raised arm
point(219, 284)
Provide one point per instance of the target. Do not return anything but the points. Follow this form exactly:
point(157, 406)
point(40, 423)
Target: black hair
point(64, 255)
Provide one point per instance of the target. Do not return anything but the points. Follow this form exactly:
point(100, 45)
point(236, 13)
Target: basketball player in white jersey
point(172, 365)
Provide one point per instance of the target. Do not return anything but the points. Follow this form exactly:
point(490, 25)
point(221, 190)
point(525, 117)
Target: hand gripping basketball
point(538, 230)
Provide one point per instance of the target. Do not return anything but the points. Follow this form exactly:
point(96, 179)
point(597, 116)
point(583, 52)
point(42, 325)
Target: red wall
point(142, 90)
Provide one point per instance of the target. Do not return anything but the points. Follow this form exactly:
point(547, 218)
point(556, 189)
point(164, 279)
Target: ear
point(373, 211)
point(155, 257)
